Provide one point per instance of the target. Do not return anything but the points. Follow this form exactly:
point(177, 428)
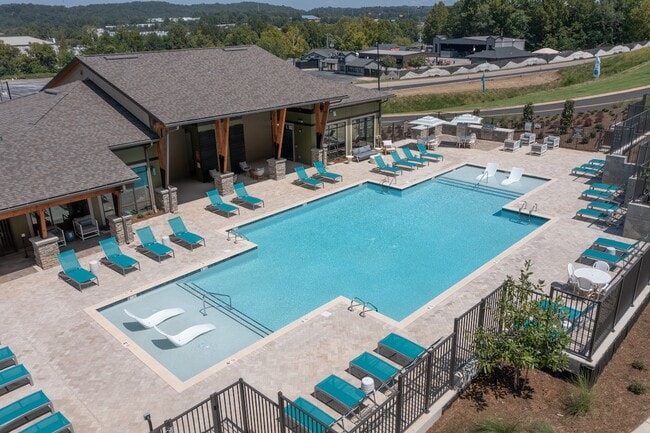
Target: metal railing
point(447, 364)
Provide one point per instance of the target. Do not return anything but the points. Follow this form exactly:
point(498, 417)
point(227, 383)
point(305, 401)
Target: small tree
point(530, 333)
point(417, 61)
point(529, 113)
point(388, 62)
point(567, 116)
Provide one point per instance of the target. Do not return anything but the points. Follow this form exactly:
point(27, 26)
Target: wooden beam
point(42, 224)
point(280, 118)
point(320, 111)
point(221, 131)
point(162, 132)
point(117, 202)
point(42, 206)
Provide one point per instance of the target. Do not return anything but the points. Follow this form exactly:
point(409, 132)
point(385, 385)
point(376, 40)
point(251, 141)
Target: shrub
point(581, 399)
point(541, 426)
point(587, 122)
point(599, 126)
point(636, 388)
point(495, 425)
point(569, 140)
point(592, 133)
point(637, 364)
point(585, 140)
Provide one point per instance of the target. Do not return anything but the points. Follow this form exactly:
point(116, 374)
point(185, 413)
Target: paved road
point(545, 109)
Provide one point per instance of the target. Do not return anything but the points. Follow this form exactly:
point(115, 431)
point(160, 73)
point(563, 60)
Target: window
point(363, 131)
point(137, 198)
point(334, 140)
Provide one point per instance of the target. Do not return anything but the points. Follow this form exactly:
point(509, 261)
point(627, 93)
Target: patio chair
point(600, 195)
point(599, 216)
point(424, 153)
point(538, 148)
point(308, 416)
point(339, 395)
point(243, 165)
point(379, 370)
point(7, 357)
point(14, 377)
point(182, 236)
point(611, 259)
point(55, 423)
point(24, 410)
point(490, 170)
point(400, 162)
point(388, 146)
point(72, 272)
point(305, 180)
point(218, 205)
point(114, 256)
point(605, 186)
point(322, 173)
point(552, 142)
point(573, 280)
point(587, 169)
point(511, 145)
point(585, 286)
point(415, 159)
point(151, 246)
point(85, 227)
point(244, 198)
point(603, 206)
point(399, 349)
point(156, 318)
point(515, 176)
point(623, 247)
point(600, 265)
point(188, 334)
point(384, 168)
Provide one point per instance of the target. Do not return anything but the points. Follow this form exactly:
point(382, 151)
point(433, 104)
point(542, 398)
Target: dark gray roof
point(323, 52)
point(56, 144)
point(188, 86)
point(359, 63)
point(501, 53)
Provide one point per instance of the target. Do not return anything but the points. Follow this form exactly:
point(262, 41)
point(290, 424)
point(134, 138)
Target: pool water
point(395, 249)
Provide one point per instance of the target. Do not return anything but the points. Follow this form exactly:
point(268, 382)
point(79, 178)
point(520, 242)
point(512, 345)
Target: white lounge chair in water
point(515, 176)
point(187, 335)
point(156, 318)
point(490, 170)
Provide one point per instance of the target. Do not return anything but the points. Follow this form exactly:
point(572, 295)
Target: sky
point(298, 4)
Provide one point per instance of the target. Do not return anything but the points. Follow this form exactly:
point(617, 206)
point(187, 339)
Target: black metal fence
point(630, 134)
point(447, 364)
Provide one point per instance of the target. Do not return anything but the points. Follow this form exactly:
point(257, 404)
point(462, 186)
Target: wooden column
point(162, 132)
point(278, 118)
point(42, 224)
point(221, 132)
point(117, 202)
point(320, 111)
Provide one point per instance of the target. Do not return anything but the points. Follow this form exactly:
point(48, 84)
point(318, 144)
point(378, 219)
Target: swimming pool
point(396, 249)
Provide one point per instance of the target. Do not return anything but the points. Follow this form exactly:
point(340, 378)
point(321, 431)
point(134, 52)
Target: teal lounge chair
point(308, 416)
point(322, 173)
point(24, 410)
point(115, 257)
point(399, 349)
point(14, 377)
point(424, 153)
point(618, 245)
point(72, 272)
point(7, 357)
point(304, 179)
point(603, 206)
point(55, 423)
point(596, 161)
point(604, 186)
point(382, 167)
point(151, 246)
point(339, 394)
point(400, 162)
point(611, 259)
point(585, 169)
point(600, 216)
point(600, 195)
point(412, 158)
point(218, 205)
point(181, 234)
point(243, 197)
point(368, 364)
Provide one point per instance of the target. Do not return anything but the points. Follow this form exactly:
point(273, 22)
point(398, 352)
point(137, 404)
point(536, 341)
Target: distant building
point(498, 54)
point(312, 18)
point(23, 42)
point(463, 47)
point(401, 56)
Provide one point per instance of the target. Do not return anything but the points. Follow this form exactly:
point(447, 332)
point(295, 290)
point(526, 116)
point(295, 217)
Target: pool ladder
point(480, 179)
point(236, 234)
point(365, 306)
point(386, 182)
point(524, 205)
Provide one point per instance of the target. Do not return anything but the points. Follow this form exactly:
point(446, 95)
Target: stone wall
point(122, 229)
point(45, 251)
point(637, 220)
point(223, 183)
point(277, 168)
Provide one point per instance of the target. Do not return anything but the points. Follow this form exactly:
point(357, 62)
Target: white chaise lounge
point(515, 176)
point(156, 318)
point(490, 170)
point(187, 335)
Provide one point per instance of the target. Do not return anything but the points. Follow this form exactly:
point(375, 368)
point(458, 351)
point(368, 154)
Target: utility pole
point(378, 72)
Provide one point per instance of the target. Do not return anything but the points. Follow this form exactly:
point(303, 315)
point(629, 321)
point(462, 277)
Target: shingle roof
point(56, 143)
point(500, 53)
point(187, 86)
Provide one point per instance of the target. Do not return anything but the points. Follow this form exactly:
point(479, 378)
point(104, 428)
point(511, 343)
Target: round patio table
point(596, 276)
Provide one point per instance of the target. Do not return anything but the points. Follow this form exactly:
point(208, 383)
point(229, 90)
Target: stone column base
point(173, 199)
point(45, 251)
point(277, 168)
point(162, 199)
point(223, 183)
point(318, 155)
point(122, 229)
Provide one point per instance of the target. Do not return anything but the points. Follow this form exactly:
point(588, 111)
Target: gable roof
point(189, 86)
point(56, 143)
point(500, 53)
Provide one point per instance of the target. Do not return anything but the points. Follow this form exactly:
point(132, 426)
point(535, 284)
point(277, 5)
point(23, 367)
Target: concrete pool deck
point(102, 386)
